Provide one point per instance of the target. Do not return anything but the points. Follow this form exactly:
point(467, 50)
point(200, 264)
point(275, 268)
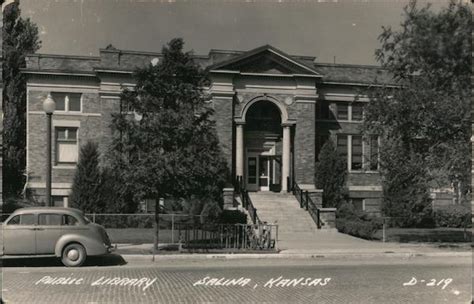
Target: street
point(269, 280)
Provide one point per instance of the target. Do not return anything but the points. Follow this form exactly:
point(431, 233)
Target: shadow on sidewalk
point(105, 260)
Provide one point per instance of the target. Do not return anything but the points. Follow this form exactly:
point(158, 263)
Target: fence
point(231, 237)
point(186, 232)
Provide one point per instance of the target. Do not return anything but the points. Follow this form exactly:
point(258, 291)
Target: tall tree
point(87, 188)
point(20, 37)
point(331, 173)
point(169, 148)
point(425, 120)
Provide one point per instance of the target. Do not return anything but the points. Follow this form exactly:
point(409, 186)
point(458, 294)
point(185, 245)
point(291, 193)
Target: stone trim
point(53, 185)
point(365, 188)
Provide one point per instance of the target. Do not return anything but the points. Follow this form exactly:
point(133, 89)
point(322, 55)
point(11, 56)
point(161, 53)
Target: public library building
point(273, 112)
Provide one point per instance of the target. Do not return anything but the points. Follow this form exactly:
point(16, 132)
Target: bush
point(359, 228)
point(356, 223)
point(456, 216)
point(233, 217)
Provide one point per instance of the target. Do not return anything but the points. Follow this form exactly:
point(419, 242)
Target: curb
point(293, 255)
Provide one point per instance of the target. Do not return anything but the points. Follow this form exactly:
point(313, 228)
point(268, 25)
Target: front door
point(252, 170)
point(265, 174)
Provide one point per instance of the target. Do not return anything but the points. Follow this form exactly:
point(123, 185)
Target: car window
point(50, 219)
point(14, 221)
point(22, 219)
point(69, 220)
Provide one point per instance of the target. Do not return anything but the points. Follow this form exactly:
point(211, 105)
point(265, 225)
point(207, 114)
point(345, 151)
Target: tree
point(87, 188)
point(20, 37)
point(424, 121)
point(172, 149)
point(331, 172)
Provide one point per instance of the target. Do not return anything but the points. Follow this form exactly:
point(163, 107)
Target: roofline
point(58, 72)
point(257, 50)
point(80, 57)
point(349, 65)
point(361, 84)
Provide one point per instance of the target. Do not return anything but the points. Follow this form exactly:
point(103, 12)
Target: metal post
point(383, 231)
point(306, 203)
point(276, 238)
point(172, 228)
point(48, 159)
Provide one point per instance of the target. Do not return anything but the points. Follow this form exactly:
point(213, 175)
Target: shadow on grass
point(105, 260)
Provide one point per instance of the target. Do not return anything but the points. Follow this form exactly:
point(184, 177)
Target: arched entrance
point(262, 153)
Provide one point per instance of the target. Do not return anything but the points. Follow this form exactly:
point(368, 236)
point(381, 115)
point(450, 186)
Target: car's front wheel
point(74, 255)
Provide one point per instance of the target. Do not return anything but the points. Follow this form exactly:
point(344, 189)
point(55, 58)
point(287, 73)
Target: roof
point(266, 59)
point(350, 73)
point(47, 210)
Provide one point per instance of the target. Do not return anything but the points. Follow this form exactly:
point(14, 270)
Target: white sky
point(345, 29)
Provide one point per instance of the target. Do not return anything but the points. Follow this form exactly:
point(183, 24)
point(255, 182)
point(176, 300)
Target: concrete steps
point(283, 210)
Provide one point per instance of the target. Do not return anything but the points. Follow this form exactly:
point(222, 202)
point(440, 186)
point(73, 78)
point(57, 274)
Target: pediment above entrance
point(265, 60)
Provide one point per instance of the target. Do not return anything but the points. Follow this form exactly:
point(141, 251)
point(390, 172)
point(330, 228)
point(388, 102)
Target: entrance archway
point(262, 154)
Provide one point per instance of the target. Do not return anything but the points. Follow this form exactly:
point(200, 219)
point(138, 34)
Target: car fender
point(92, 246)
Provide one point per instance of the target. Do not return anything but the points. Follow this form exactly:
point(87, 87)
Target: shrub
point(233, 217)
point(356, 223)
point(330, 176)
point(359, 228)
point(455, 216)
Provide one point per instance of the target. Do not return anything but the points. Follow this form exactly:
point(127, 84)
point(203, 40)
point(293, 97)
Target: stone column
point(239, 150)
point(285, 170)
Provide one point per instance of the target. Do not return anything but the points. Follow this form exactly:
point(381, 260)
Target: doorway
point(263, 172)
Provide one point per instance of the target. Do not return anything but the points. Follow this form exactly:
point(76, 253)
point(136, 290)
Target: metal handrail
point(307, 203)
point(246, 201)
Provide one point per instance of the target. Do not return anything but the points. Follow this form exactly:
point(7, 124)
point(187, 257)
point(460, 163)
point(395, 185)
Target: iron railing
point(307, 203)
point(246, 201)
point(229, 237)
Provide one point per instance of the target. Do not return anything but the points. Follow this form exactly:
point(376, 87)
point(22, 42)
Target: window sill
point(362, 171)
point(65, 166)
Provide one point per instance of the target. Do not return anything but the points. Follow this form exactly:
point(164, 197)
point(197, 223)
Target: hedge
point(358, 228)
point(454, 216)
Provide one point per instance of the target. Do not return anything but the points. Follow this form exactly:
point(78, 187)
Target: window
point(357, 111)
point(125, 107)
point(66, 145)
point(358, 204)
point(68, 220)
point(342, 110)
point(58, 201)
point(342, 146)
point(356, 154)
point(374, 153)
point(23, 219)
point(50, 219)
point(67, 102)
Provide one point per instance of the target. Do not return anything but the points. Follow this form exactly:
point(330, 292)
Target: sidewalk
point(365, 249)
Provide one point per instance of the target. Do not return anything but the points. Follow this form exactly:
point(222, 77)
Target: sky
point(342, 30)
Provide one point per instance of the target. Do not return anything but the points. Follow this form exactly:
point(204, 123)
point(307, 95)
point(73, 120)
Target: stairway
point(283, 210)
point(297, 231)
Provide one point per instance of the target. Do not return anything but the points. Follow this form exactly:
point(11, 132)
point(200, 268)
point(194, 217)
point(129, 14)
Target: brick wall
point(89, 122)
point(223, 117)
point(304, 143)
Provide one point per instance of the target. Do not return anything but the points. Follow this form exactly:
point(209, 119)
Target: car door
point(19, 234)
point(48, 231)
